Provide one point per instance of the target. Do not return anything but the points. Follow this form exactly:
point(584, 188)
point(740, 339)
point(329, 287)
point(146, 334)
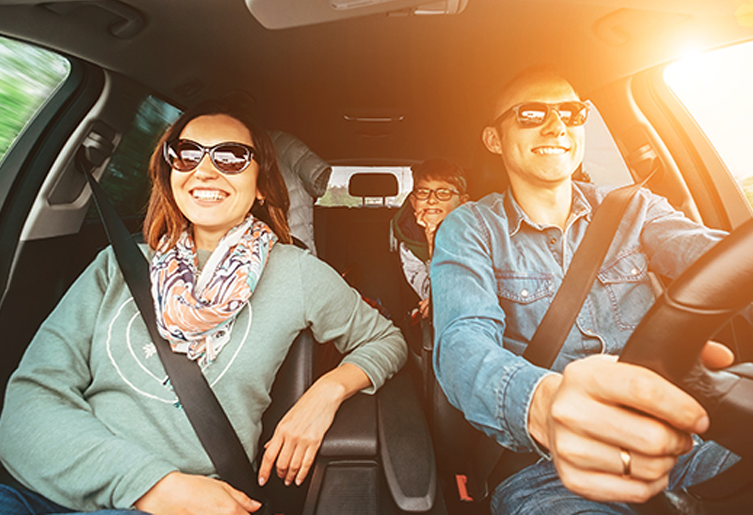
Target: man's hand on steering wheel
point(616, 430)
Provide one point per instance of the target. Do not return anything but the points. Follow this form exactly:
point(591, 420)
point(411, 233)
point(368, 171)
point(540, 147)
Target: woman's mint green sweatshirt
point(88, 421)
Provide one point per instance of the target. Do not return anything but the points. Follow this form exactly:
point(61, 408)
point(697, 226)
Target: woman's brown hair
point(163, 217)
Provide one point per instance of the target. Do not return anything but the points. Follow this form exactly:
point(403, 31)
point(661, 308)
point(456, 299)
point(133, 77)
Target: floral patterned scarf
point(195, 311)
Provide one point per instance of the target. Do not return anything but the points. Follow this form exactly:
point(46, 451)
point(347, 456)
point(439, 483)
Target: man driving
point(605, 433)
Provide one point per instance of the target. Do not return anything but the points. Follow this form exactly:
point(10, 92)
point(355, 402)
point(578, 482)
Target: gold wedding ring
point(627, 461)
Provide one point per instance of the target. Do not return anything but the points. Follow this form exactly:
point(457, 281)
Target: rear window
point(28, 77)
point(337, 188)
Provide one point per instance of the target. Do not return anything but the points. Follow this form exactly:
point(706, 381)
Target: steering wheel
point(669, 341)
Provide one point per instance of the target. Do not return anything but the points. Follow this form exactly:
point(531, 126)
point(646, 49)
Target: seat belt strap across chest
point(559, 319)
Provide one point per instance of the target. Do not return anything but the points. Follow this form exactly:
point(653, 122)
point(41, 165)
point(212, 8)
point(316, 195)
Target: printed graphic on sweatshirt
point(132, 353)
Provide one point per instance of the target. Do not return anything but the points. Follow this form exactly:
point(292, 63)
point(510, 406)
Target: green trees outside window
point(28, 77)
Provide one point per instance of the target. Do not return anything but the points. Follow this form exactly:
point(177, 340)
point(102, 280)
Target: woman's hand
point(186, 494)
point(299, 434)
point(600, 407)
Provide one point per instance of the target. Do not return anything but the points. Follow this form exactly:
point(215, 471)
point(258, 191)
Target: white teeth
point(549, 150)
point(208, 195)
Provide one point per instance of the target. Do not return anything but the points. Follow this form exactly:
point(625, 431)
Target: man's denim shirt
point(494, 273)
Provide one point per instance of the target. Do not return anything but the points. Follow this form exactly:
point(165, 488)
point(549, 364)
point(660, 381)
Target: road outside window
point(28, 77)
point(717, 89)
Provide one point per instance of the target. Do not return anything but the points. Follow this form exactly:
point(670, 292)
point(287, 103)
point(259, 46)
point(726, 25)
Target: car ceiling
point(433, 76)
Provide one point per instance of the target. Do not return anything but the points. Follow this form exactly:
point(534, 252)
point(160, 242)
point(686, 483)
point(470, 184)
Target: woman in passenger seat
point(90, 422)
point(439, 186)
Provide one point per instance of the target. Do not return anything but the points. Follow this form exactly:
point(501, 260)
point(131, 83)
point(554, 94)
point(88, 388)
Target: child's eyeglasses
point(442, 194)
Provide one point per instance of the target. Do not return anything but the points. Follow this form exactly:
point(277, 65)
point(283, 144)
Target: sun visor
point(282, 14)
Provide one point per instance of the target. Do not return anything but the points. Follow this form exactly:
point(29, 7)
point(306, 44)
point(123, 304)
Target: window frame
point(719, 199)
point(28, 160)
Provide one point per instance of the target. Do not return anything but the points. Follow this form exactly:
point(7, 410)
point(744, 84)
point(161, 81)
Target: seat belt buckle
point(462, 483)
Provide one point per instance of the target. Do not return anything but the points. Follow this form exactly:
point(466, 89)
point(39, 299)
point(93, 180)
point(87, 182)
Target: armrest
point(405, 446)
point(353, 432)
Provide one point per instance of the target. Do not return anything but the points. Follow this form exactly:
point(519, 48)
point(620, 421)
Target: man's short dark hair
point(526, 76)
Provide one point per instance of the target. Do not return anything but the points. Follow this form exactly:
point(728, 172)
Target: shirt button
point(524, 293)
point(553, 241)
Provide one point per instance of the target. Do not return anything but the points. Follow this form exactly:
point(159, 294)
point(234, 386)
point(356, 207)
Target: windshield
point(717, 88)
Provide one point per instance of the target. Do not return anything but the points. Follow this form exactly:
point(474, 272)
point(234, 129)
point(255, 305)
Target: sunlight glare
point(717, 88)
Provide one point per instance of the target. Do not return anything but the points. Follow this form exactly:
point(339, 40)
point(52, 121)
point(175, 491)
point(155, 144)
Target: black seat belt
point(488, 456)
point(552, 332)
point(196, 397)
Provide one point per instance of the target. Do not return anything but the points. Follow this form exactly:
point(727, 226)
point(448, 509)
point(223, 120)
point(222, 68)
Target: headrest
point(373, 185)
point(488, 174)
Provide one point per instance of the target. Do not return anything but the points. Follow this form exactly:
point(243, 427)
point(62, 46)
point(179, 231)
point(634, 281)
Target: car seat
point(455, 439)
point(355, 241)
point(377, 458)
point(306, 176)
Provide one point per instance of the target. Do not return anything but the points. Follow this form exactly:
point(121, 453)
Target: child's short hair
point(440, 169)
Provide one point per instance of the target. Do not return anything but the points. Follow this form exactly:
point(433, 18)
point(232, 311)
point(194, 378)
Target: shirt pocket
point(627, 287)
point(524, 297)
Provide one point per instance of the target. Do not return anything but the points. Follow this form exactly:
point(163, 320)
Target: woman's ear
point(492, 142)
point(464, 198)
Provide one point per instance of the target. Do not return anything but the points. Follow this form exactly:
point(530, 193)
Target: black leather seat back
point(488, 174)
point(294, 377)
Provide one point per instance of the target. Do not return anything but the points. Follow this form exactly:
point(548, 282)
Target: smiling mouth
point(550, 151)
point(209, 195)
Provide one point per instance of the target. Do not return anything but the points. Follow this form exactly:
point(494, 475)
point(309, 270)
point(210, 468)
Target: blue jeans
point(22, 502)
point(537, 490)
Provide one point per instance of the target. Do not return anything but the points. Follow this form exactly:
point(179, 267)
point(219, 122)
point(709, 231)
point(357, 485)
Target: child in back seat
point(439, 186)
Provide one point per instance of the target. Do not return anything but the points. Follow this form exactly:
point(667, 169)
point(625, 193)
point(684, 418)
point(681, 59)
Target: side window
point(603, 160)
point(126, 179)
point(715, 88)
point(28, 77)
point(337, 188)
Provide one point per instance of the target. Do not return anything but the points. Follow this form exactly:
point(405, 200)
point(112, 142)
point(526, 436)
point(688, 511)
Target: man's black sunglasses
point(184, 155)
point(534, 114)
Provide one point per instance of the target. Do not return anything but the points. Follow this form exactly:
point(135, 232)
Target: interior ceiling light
point(342, 5)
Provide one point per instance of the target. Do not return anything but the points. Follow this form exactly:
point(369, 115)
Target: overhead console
point(282, 14)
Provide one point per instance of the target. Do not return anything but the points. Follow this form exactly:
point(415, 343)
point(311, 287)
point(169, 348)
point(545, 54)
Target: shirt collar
point(580, 208)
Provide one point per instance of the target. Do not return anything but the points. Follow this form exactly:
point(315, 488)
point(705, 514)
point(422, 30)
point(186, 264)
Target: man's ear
point(491, 140)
